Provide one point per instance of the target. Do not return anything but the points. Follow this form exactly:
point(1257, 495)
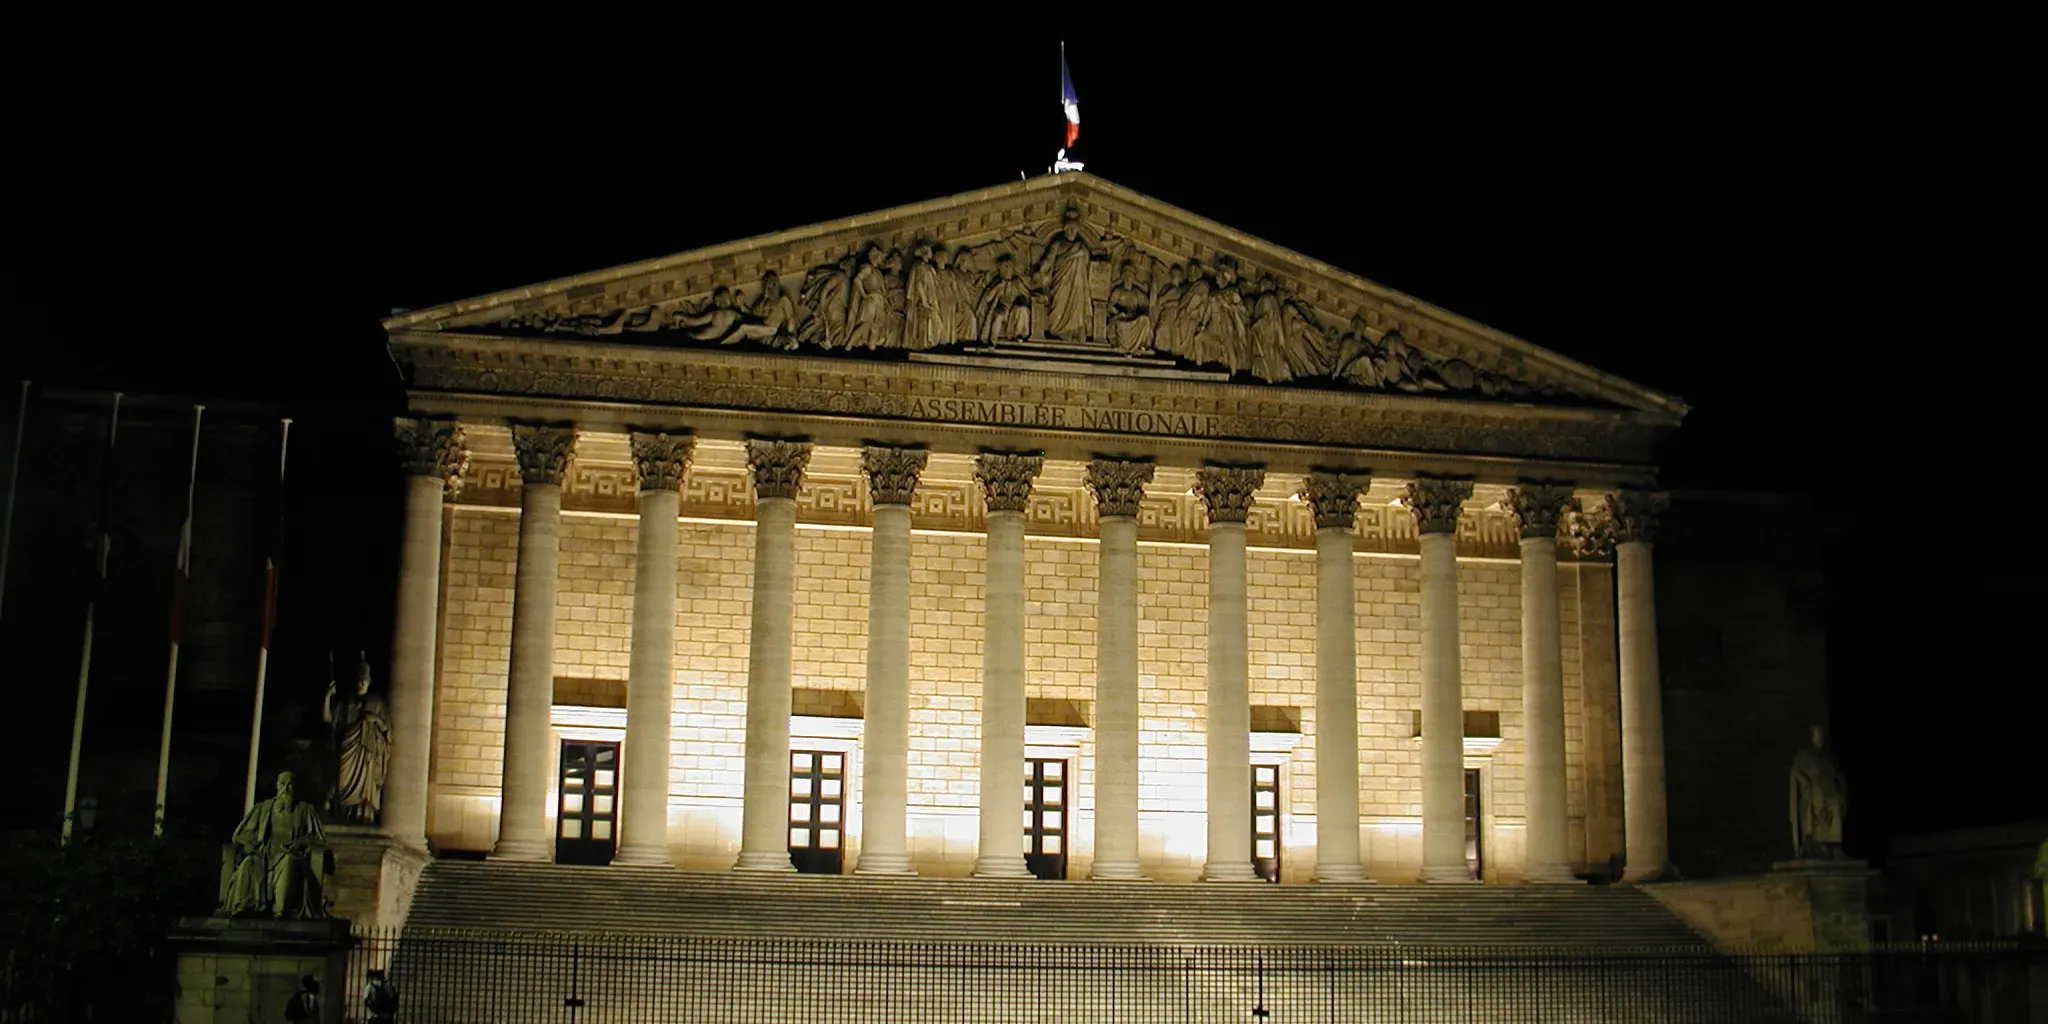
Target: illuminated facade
point(1046, 529)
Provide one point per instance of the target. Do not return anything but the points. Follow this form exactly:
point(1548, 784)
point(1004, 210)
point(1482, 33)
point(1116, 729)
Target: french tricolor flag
point(1069, 105)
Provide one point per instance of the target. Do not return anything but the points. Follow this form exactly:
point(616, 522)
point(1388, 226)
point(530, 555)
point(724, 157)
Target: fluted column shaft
point(1642, 699)
point(778, 468)
point(434, 455)
point(885, 766)
point(1227, 491)
point(543, 454)
point(650, 667)
point(1119, 489)
point(1436, 504)
point(1538, 507)
point(1006, 486)
point(1334, 498)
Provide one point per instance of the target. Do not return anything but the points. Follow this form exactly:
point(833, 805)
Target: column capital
point(1590, 535)
point(1006, 477)
point(1227, 490)
point(543, 451)
point(1635, 513)
point(892, 472)
point(1538, 507)
point(1119, 486)
point(1436, 502)
point(660, 458)
point(432, 447)
point(778, 466)
point(1333, 494)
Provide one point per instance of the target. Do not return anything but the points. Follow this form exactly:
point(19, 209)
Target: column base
point(1012, 866)
point(884, 864)
point(1447, 874)
point(1341, 874)
point(1230, 871)
point(1117, 871)
point(766, 863)
point(1550, 874)
point(523, 850)
point(643, 857)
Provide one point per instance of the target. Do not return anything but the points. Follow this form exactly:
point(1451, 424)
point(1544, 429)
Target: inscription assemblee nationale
point(1026, 414)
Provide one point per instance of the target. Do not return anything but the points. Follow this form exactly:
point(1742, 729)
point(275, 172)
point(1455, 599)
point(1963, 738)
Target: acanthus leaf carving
point(543, 451)
point(1538, 508)
point(1006, 477)
point(660, 459)
point(1334, 497)
point(432, 447)
point(1118, 486)
point(892, 473)
point(1226, 491)
point(1635, 514)
point(1437, 503)
point(777, 466)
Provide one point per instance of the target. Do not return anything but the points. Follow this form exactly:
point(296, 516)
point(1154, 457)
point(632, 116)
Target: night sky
point(1825, 240)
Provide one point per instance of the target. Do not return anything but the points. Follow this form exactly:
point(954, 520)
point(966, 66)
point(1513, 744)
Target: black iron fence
point(497, 978)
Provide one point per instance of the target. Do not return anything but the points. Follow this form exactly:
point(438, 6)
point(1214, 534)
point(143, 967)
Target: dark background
point(1823, 237)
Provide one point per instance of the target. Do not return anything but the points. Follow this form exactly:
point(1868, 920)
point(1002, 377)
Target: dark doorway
point(587, 817)
point(817, 804)
point(1266, 821)
point(1045, 817)
point(1475, 833)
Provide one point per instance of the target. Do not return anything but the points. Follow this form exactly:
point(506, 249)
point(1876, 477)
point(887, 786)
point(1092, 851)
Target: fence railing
point(476, 977)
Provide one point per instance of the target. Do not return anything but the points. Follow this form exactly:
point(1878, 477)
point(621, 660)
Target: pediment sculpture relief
point(1063, 283)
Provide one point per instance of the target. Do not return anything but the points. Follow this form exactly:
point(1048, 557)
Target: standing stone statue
point(1819, 797)
point(280, 859)
point(361, 737)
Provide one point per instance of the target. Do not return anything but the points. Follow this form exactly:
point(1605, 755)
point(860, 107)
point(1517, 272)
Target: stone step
point(617, 900)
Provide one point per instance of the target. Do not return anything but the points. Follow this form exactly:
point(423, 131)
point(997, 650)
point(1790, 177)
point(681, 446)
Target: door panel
point(1266, 821)
point(587, 815)
point(1046, 815)
point(817, 806)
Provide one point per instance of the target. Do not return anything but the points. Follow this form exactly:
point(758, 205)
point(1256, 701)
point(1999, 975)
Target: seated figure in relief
point(1004, 311)
point(281, 859)
point(1130, 313)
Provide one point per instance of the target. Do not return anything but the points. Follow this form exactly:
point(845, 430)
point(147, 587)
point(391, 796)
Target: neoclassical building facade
point(1042, 530)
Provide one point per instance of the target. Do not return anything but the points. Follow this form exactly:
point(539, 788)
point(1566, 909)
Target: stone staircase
point(655, 901)
point(494, 942)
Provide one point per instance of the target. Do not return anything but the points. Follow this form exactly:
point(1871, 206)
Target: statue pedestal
point(244, 970)
point(374, 876)
point(1837, 899)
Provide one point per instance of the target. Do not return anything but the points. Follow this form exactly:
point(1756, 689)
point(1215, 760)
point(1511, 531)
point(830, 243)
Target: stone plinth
point(374, 876)
point(1838, 898)
point(244, 970)
point(1805, 906)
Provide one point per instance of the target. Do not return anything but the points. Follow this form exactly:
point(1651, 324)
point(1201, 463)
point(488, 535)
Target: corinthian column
point(1436, 504)
point(885, 769)
point(1334, 497)
point(1227, 491)
point(543, 453)
point(1537, 508)
point(778, 468)
point(1006, 482)
point(650, 673)
point(434, 454)
point(1119, 489)
point(1634, 516)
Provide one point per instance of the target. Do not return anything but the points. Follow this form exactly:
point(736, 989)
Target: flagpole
point(13, 489)
point(270, 572)
point(85, 656)
point(180, 585)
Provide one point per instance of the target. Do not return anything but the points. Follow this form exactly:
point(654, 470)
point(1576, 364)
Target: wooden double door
point(587, 814)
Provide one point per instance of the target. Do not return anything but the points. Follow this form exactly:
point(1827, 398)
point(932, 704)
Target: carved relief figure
point(1063, 272)
point(776, 313)
point(1166, 303)
point(1221, 337)
point(927, 319)
point(1268, 334)
point(1358, 356)
point(1005, 307)
point(960, 288)
point(1307, 343)
point(867, 303)
point(280, 859)
point(1130, 314)
point(1819, 798)
point(825, 293)
point(1192, 315)
point(361, 737)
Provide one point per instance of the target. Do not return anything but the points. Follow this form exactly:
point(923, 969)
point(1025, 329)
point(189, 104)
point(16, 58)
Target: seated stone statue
point(281, 859)
point(1819, 796)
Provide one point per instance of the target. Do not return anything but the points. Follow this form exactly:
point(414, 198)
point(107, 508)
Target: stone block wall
point(947, 582)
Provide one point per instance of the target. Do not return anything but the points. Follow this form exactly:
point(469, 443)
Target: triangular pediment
point(1069, 273)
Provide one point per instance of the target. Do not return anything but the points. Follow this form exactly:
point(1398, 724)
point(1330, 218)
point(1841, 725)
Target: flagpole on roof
point(1070, 108)
point(13, 486)
point(181, 585)
point(101, 543)
point(271, 568)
